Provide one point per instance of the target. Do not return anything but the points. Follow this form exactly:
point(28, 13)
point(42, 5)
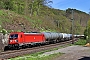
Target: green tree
point(87, 31)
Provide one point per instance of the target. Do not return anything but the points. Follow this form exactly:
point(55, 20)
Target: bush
point(81, 42)
point(4, 31)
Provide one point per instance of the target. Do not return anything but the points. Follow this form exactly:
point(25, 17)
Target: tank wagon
point(79, 36)
point(20, 39)
point(52, 37)
point(66, 36)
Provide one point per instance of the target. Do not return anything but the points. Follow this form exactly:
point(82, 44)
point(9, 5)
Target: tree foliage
point(87, 31)
point(23, 6)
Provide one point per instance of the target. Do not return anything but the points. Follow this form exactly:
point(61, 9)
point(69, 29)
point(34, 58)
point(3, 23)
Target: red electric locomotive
point(17, 39)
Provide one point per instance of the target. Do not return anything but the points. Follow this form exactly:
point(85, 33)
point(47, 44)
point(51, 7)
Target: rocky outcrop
point(3, 41)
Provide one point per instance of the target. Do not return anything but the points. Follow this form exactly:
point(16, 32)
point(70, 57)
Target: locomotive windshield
point(13, 36)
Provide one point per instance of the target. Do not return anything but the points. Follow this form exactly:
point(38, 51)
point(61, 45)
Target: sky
point(82, 5)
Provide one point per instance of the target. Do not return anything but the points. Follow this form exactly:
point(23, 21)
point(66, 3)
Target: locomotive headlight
point(10, 40)
point(16, 40)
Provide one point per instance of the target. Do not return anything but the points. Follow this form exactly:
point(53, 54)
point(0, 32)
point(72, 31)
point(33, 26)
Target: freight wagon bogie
point(13, 46)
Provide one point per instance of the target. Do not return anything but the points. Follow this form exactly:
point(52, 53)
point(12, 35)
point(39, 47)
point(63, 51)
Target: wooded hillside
point(37, 15)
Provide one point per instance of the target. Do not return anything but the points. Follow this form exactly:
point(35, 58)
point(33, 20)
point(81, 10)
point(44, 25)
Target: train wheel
point(29, 45)
point(47, 43)
point(17, 47)
point(55, 42)
point(23, 46)
point(39, 44)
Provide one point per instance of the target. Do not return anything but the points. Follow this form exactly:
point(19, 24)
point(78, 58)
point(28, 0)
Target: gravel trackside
point(72, 53)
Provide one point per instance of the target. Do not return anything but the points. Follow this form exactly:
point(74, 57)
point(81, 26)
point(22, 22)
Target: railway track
point(21, 52)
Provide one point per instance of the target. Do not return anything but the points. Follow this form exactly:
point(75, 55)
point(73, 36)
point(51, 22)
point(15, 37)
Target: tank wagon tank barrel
point(49, 35)
point(60, 36)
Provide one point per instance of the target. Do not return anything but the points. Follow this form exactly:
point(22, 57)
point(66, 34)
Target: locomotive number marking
point(34, 37)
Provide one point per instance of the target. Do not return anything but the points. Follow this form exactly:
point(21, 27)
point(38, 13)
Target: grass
point(4, 17)
point(38, 53)
point(1, 12)
point(81, 42)
point(50, 57)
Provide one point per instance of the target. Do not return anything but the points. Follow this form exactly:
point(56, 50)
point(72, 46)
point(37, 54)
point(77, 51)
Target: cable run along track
point(21, 52)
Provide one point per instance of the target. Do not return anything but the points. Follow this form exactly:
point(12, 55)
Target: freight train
point(21, 39)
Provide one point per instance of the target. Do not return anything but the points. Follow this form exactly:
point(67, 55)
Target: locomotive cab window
point(13, 36)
